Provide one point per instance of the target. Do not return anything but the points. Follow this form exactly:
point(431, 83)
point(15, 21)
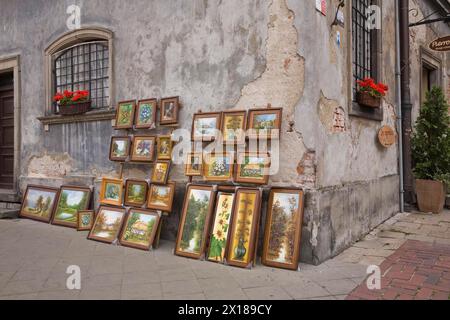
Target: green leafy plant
point(431, 139)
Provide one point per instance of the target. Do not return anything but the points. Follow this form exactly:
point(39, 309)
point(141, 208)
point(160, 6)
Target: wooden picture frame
point(125, 115)
point(185, 236)
point(114, 155)
point(107, 225)
point(242, 240)
point(249, 169)
point(167, 199)
point(35, 204)
point(264, 123)
point(284, 199)
point(145, 115)
point(193, 169)
point(143, 148)
point(85, 220)
point(233, 126)
point(161, 170)
point(135, 233)
point(67, 214)
point(109, 196)
point(130, 196)
point(205, 131)
point(169, 110)
point(164, 146)
point(218, 167)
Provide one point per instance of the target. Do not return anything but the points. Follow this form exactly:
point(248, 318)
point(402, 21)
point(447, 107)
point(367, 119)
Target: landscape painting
point(191, 239)
point(161, 197)
point(125, 115)
point(107, 224)
point(38, 203)
point(264, 122)
point(218, 167)
point(120, 148)
point(205, 126)
point(219, 235)
point(111, 191)
point(146, 114)
point(135, 192)
point(70, 201)
point(140, 229)
point(253, 168)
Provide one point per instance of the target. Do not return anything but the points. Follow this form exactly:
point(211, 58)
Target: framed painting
point(233, 127)
point(111, 191)
point(143, 149)
point(135, 193)
point(283, 229)
point(169, 109)
point(264, 123)
point(194, 221)
point(107, 224)
point(125, 114)
point(119, 149)
point(160, 197)
point(139, 229)
point(245, 221)
point(161, 172)
point(164, 147)
point(71, 199)
point(218, 167)
point(205, 126)
point(194, 164)
point(145, 116)
point(253, 168)
point(221, 227)
point(39, 203)
point(85, 220)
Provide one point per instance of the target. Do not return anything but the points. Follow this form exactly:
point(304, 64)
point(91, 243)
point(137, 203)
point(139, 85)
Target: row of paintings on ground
point(140, 148)
point(142, 115)
point(221, 224)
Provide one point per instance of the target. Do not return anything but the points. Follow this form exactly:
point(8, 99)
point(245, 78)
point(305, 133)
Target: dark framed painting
point(39, 203)
point(253, 168)
point(85, 220)
point(205, 126)
point(71, 199)
point(264, 123)
point(107, 225)
point(119, 149)
point(160, 172)
point(244, 227)
point(139, 229)
point(135, 193)
point(283, 229)
point(164, 147)
point(125, 114)
point(145, 116)
point(233, 125)
point(194, 164)
point(143, 149)
point(160, 197)
point(194, 221)
point(218, 167)
point(168, 111)
point(111, 191)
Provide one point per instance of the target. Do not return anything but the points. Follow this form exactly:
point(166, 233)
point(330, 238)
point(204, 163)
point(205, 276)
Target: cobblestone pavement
point(34, 258)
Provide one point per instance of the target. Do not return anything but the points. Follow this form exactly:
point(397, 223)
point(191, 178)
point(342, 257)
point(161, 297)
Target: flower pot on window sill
point(366, 100)
point(75, 108)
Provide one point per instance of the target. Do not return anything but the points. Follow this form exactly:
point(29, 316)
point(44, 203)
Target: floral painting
point(71, 200)
point(140, 228)
point(233, 127)
point(38, 203)
point(85, 220)
point(107, 224)
point(111, 191)
point(218, 167)
point(145, 115)
point(143, 149)
point(221, 225)
point(125, 114)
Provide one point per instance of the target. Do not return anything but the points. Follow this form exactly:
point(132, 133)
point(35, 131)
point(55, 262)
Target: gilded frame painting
point(71, 199)
point(107, 225)
point(233, 126)
point(145, 115)
point(164, 146)
point(160, 172)
point(125, 114)
point(111, 191)
point(139, 229)
point(39, 203)
point(135, 193)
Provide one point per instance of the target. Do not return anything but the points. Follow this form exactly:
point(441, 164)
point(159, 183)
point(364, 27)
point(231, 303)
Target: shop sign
point(386, 136)
point(440, 44)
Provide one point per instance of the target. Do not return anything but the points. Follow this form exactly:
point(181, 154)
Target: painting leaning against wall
point(107, 224)
point(71, 199)
point(39, 203)
point(139, 229)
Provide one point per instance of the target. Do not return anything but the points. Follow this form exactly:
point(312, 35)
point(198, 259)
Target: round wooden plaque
point(386, 136)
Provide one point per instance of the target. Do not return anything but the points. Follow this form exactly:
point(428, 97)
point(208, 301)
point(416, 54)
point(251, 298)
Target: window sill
point(356, 110)
point(95, 115)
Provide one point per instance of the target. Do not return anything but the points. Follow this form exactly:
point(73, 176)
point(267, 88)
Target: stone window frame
point(67, 40)
point(355, 109)
point(431, 61)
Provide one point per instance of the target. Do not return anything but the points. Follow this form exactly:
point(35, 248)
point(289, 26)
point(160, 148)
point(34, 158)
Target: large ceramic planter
point(75, 108)
point(430, 195)
point(365, 99)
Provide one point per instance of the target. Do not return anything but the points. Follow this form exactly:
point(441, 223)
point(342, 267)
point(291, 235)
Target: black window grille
point(84, 67)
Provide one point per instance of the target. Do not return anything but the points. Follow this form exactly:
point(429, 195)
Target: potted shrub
point(71, 103)
point(431, 152)
point(370, 93)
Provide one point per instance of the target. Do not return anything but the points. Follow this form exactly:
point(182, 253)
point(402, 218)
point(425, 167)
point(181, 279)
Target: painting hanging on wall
point(218, 167)
point(194, 164)
point(119, 149)
point(233, 127)
point(125, 115)
point(107, 224)
point(85, 220)
point(221, 226)
point(253, 168)
point(283, 229)
point(160, 197)
point(71, 200)
point(264, 123)
point(169, 111)
point(111, 191)
point(143, 148)
point(135, 193)
point(205, 126)
point(145, 117)
point(194, 221)
point(160, 172)
point(164, 147)
point(245, 222)
point(139, 229)
point(39, 203)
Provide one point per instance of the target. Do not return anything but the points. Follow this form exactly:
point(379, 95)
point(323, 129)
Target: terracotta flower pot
point(430, 195)
point(75, 108)
point(365, 99)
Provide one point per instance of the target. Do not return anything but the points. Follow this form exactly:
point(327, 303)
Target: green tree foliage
point(431, 139)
